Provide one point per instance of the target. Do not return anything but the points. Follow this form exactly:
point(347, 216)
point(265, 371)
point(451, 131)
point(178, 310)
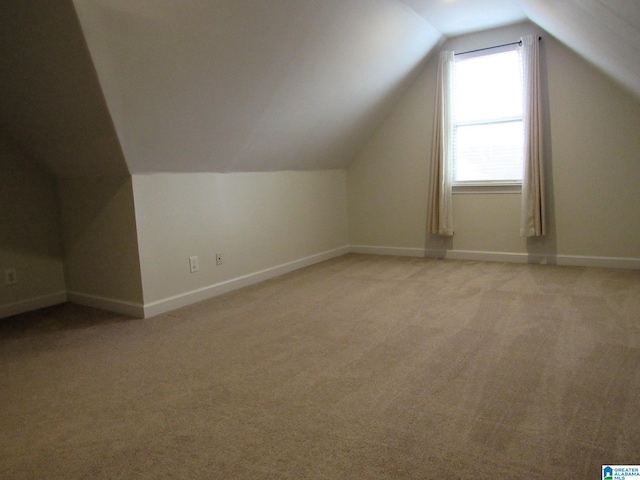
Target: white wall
point(30, 240)
point(101, 258)
point(262, 223)
point(127, 239)
point(593, 171)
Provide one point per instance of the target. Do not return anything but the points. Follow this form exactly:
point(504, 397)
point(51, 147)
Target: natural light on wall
point(487, 118)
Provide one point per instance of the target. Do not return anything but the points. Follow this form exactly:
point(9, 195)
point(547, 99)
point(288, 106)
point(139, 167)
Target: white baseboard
point(110, 304)
point(187, 298)
point(605, 262)
point(395, 251)
point(30, 304)
point(510, 257)
point(161, 306)
point(487, 256)
point(546, 259)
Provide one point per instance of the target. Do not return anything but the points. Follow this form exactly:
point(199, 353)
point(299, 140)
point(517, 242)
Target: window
point(491, 143)
point(488, 135)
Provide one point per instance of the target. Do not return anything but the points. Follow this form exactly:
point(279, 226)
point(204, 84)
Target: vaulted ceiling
point(108, 87)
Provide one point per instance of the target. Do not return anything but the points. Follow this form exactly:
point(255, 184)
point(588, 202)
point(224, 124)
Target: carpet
point(360, 367)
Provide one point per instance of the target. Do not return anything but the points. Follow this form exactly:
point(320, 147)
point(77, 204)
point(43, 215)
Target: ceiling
point(110, 87)
point(457, 17)
point(51, 104)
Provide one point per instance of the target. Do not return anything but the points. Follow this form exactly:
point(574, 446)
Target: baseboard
point(546, 259)
point(487, 256)
point(510, 257)
point(167, 304)
point(395, 251)
point(605, 262)
point(171, 303)
point(30, 304)
point(110, 304)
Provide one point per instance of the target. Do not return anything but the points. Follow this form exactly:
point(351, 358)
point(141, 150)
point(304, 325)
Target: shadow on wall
point(437, 246)
point(100, 238)
point(28, 207)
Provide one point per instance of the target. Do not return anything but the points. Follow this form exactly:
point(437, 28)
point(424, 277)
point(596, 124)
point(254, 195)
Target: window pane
point(488, 152)
point(488, 87)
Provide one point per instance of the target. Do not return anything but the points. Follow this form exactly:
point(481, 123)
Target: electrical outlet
point(10, 276)
point(218, 259)
point(193, 264)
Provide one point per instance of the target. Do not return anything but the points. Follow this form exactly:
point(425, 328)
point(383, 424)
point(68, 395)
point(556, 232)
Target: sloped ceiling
point(51, 104)
point(249, 85)
point(457, 17)
point(246, 85)
point(605, 32)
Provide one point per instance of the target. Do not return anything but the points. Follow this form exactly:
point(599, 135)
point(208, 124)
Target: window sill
point(472, 188)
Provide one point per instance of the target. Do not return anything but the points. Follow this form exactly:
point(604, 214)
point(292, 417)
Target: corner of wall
point(102, 261)
point(30, 238)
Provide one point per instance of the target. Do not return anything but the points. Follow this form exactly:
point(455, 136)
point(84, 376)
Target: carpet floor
point(361, 367)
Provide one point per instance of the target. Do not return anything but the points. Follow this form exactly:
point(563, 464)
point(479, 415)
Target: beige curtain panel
point(532, 215)
point(440, 206)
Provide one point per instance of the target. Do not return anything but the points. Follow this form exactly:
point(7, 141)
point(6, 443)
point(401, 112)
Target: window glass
point(487, 118)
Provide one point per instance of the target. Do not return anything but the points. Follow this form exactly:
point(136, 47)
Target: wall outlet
point(10, 276)
point(193, 264)
point(218, 259)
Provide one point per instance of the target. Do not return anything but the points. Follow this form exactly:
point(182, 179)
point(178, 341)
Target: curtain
point(532, 214)
point(440, 208)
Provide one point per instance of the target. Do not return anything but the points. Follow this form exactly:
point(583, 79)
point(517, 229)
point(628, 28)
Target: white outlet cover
point(193, 264)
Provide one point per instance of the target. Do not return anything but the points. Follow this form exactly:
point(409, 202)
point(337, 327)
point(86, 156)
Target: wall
point(101, 249)
point(127, 239)
point(263, 224)
point(30, 240)
point(593, 172)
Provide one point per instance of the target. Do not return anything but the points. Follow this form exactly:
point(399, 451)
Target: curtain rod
point(496, 46)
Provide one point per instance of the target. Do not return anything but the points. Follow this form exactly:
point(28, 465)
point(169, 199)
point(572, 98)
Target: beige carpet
point(361, 367)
